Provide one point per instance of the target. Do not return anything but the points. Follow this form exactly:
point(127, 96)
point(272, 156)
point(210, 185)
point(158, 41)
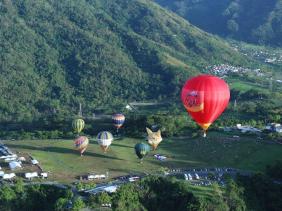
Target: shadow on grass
point(121, 145)
point(61, 150)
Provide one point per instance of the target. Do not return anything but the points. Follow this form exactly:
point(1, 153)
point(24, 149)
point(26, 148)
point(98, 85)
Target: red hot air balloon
point(205, 97)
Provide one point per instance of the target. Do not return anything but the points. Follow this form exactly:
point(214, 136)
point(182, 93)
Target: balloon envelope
point(81, 143)
point(118, 120)
point(78, 125)
point(142, 150)
point(205, 97)
point(154, 138)
point(105, 139)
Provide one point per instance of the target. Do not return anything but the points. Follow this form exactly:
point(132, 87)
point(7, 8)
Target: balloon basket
point(205, 134)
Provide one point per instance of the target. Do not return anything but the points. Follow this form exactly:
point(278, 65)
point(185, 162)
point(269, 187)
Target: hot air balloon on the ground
point(141, 150)
point(118, 120)
point(81, 144)
point(78, 125)
point(105, 139)
point(154, 138)
point(205, 97)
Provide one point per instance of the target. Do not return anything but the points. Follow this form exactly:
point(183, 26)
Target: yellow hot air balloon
point(78, 125)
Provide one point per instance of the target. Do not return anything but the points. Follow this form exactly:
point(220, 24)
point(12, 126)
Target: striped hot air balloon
point(141, 150)
point(78, 125)
point(118, 120)
point(105, 139)
point(81, 144)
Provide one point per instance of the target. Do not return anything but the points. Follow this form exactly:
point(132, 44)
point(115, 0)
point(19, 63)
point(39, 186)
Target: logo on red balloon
point(194, 101)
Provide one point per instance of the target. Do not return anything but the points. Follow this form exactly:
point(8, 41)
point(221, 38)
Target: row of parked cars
point(191, 177)
point(128, 178)
point(203, 170)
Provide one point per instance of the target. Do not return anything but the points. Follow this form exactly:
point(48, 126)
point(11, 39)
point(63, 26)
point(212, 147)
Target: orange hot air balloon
point(205, 97)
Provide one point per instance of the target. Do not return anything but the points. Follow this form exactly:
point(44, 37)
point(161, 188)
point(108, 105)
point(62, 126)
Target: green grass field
point(65, 163)
point(202, 191)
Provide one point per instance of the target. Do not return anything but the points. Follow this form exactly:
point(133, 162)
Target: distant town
point(269, 56)
point(224, 70)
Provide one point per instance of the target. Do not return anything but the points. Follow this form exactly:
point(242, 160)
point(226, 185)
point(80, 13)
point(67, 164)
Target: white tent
point(9, 176)
point(8, 156)
point(34, 162)
point(14, 164)
point(44, 175)
point(9, 159)
point(97, 176)
point(31, 175)
point(111, 189)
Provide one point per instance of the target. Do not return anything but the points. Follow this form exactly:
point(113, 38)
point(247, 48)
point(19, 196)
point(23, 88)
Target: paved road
point(202, 173)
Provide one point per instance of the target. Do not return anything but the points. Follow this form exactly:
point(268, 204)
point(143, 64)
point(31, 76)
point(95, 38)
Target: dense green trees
point(274, 171)
point(100, 53)
point(84, 186)
point(261, 192)
point(104, 198)
point(152, 193)
point(61, 204)
point(169, 124)
point(164, 194)
point(127, 198)
point(78, 204)
point(7, 196)
point(216, 202)
point(159, 193)
point(254, 192)
point(33, 197)
point(234, 18)
point(234, 196)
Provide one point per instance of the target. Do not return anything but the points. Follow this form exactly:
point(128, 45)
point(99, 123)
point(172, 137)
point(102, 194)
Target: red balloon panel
point(205, 97)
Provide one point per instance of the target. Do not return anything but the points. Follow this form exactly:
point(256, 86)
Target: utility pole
point(271, 85)
point(80, 110)
point(235, 104)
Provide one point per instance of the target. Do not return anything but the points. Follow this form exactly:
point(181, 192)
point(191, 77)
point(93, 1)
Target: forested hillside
point(55, 54)
point(256, 21)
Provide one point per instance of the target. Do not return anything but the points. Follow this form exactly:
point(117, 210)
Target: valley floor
point(64, 164)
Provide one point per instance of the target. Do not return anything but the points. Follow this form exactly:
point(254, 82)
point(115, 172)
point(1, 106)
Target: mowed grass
point(223, 151)
point(218, 150)
point(202, 191)
point(244, 85)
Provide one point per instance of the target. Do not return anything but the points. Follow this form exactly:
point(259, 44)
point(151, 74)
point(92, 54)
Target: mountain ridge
point(255, 21)
point(58, 54)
